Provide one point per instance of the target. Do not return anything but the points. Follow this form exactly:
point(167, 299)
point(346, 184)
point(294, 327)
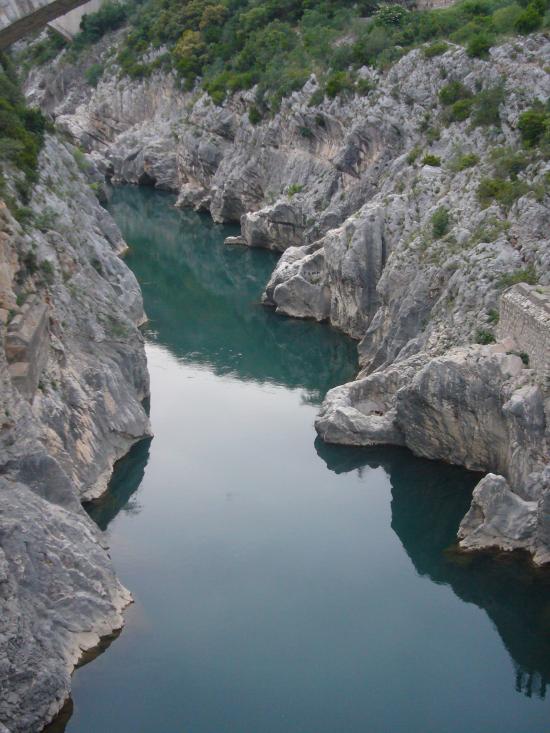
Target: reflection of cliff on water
point(428, 501)
point(126, 478)
point(203, 299)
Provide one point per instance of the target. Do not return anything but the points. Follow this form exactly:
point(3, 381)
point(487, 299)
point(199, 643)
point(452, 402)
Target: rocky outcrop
point(72, 376)
point(478, 407)
point(499, 517)
point(373, 201)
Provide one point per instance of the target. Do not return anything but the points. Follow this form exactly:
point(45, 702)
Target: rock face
point(73, 376)
point(395, 248)
point(499, 517)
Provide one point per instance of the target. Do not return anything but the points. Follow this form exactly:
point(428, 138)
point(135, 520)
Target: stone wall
point(431, 4)
point(525, 316)
point(27, 346)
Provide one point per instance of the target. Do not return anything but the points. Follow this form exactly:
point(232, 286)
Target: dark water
point(282, 585)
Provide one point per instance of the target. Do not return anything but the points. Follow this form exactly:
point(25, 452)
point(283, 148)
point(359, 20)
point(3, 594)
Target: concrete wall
point(525, 316)
point(69, 24)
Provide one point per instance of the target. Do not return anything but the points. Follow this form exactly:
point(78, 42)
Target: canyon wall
point(73, 378)
point(376, 203)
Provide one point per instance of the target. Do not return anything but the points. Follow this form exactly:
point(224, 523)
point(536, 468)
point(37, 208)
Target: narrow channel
point(282, 585)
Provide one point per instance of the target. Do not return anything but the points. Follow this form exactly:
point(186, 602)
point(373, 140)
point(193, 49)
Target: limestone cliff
point(401, 217)
point(73, 377)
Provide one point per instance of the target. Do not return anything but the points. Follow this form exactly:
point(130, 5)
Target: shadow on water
point(63, 717)
point(428, 501)
point(125, 481)
point(203, 300)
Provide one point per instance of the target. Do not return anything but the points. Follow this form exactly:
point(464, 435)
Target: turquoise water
point(282, 585)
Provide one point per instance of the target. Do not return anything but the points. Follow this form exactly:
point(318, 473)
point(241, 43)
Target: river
point(282, 585)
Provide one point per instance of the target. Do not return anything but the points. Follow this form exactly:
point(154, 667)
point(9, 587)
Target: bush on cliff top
point(232, 45)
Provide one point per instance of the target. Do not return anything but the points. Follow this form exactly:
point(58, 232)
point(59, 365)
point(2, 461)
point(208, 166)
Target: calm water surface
point(281, 585)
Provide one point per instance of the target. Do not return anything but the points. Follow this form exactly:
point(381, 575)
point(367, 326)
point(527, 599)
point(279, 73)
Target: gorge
point(285, 585)
point(402, 195)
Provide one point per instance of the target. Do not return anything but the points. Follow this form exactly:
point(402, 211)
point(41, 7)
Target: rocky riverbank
point(73, 378)
point(402, 215)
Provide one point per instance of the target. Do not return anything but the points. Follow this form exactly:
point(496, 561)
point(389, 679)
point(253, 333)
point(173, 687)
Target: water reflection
point(125, 481)
point(203, 300)
point(428, 502)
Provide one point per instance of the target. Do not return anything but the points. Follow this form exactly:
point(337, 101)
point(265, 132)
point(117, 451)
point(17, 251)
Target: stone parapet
point(26, 345)
point(525, 317)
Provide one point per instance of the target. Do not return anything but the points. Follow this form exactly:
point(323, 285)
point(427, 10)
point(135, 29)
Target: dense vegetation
point(21, 131)
point(277, 44)
point(234, 44)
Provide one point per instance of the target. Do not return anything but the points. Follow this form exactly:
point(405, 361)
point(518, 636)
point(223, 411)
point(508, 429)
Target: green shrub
point(30, 263)
point(93, 74)
point(489, 230)
point(478, 46)
point(338, 82)
point(294, 188)
point(93, 26)
point(466, 160)
point(254, 115)
point(501, 191)
point(413, 155)
point(526, 275)
point(80, 159)
point(529, 20)
point(493, 316)
point(507, 163)
point(23, 214)
point(45, 220)
point(440, 222)
point(390, 15)
point(435, 49)
point(47, 271)
point(523, 355)
point(40, 52)
point(487, 106)
point(504, 19)
point(316, 98)
point(484, 337)
point(461, 110)
point(364, 86)
point(432, 160)
point(533, 125)
point(453, 92)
